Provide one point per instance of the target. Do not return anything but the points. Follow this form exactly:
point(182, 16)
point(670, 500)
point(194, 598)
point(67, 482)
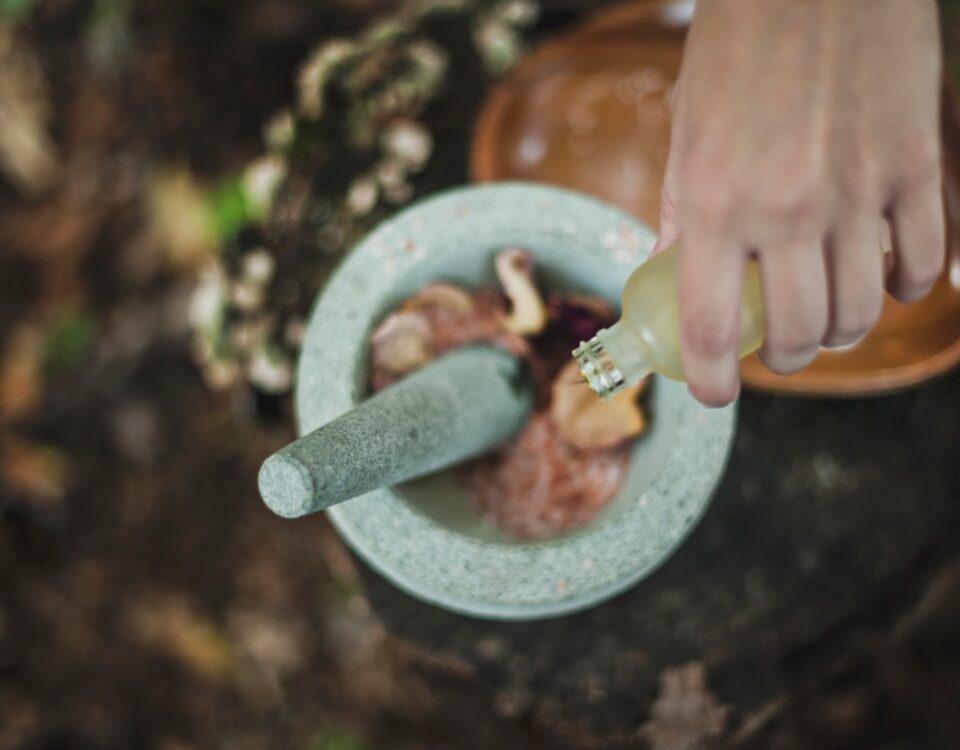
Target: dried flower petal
point(528, 315)
point(585, 421)
point(443, 297)
point(578, 318)
point(402, 343)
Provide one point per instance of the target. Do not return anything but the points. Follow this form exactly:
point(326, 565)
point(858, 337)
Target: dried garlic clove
point(441, 297)
point(585, 421)
point(528, 313)
point(402, 343)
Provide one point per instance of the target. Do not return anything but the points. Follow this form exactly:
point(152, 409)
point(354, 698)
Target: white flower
point(270, 371)
point(209, 299)
point(362, 196)
point(408, 142)
point(258, 266)
point(261, 180)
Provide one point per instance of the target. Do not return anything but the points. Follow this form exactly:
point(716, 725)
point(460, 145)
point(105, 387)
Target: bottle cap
point(598, 368)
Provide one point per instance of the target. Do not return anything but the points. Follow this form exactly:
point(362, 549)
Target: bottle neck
point(613, 359)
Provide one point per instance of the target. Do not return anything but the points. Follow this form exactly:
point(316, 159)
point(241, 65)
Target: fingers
point(711, 277)
point(919, 241)
point(854, 258)
point(668, 222)
point(795, 305)
point(668, 231)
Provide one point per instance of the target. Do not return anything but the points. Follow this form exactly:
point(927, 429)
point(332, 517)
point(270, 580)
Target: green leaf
point(231, 208)
point(69, 342)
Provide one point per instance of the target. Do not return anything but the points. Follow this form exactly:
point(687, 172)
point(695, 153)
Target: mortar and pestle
point(377, 466)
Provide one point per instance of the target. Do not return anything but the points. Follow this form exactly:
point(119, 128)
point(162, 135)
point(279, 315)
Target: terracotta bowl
point(589, 111)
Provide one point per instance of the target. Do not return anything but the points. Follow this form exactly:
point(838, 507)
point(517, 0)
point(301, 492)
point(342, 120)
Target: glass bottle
point(647, 337)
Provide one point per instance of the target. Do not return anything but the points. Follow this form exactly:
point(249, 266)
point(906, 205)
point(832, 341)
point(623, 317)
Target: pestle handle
point(454, 408)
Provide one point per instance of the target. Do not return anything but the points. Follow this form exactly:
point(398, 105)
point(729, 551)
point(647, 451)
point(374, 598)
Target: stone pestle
point(454, 408)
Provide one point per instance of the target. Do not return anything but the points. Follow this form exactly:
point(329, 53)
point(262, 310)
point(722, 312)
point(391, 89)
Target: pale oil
point(647, 337)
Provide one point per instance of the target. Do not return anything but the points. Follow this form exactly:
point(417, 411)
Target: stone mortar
point(425, 536)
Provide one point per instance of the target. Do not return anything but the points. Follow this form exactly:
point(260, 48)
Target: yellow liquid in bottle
point(647, 336)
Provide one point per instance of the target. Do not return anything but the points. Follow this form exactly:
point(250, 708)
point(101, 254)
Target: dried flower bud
point(528, 313)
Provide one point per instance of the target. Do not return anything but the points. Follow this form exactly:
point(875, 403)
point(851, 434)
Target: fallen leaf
point(36, 471)
point(584, 420)
point(20, 373)
point(170, 624)
point(27, 154)
point(180, 219)
point(685, 715)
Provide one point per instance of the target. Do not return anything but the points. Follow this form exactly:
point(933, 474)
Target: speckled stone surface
point(427, 538)
point(452, 409)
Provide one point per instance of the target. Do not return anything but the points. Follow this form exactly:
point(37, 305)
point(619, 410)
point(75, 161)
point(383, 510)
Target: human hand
point(799, 129)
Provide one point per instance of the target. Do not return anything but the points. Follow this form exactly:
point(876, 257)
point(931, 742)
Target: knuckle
point(708, 336)
point(919, 174)
point(708, 193)
point(793, 341)
point(920, 158)
point(796, 203)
